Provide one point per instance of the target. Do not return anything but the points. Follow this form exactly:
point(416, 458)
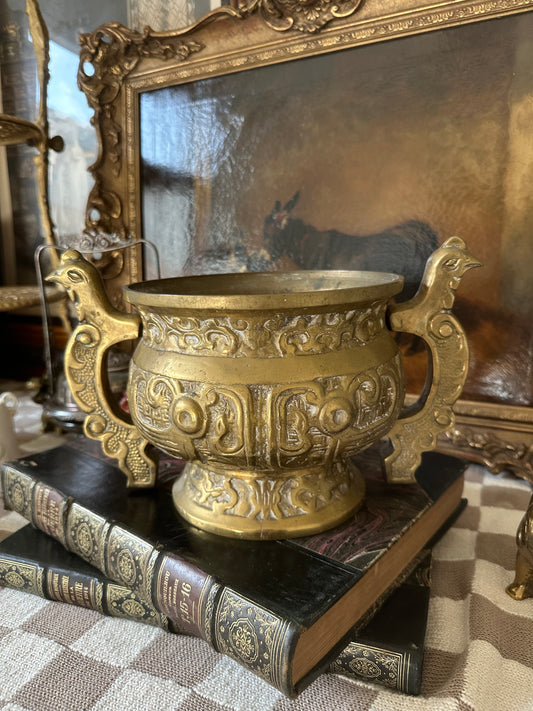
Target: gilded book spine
point(78, 589)
point(193, 600)
point(175, 587)
point(394, 668)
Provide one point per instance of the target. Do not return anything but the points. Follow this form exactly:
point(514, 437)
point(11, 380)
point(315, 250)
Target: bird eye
point(451, 264)
point(75, 276)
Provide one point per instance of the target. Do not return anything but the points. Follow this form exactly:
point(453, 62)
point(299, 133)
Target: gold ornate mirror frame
point(118, 65)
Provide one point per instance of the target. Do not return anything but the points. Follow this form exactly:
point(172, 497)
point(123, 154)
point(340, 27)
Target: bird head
point(456, 258)
point(80, 278)
point(450, 262)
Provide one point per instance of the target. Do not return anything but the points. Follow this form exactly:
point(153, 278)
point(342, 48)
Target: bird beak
point(55, 277)
point(470, 261)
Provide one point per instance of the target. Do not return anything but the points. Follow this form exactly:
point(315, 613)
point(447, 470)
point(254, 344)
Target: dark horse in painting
point(403, 249)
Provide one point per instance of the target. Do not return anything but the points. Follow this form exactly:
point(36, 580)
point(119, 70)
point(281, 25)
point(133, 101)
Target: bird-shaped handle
point(428, 315)
point(101, 326)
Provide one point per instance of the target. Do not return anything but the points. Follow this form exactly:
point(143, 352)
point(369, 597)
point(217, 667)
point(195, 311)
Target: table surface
point(479, 642)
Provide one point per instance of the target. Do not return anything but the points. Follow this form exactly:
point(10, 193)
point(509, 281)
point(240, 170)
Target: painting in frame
point(333, 122)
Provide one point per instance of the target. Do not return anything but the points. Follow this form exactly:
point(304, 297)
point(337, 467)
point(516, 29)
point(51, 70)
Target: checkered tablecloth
point(54, 657)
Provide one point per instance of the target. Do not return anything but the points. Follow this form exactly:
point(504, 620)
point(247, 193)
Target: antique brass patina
point(266, 384)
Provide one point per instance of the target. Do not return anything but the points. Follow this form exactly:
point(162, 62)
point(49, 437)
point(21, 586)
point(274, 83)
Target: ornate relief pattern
point(192, 336)
point(496, 454)
point(267, 498)
point(108, 55)
point(323, 419)
point(193, 420)
point(100, 327)
point(85, 351)
point(336, 417)
point(303, 15)
point(250, 634)
point(277, 336)
point(428, 315)
point(371, 663)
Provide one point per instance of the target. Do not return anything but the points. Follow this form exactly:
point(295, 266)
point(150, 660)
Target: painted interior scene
point(366, 158)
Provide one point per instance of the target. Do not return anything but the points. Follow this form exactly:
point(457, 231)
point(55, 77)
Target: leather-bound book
point(35, 563)
point(388, 650)
point(284, 609)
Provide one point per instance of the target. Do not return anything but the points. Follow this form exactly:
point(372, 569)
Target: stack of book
point(352, 600)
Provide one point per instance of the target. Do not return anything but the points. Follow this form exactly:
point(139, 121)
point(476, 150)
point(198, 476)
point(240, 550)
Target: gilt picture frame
point(417, 127)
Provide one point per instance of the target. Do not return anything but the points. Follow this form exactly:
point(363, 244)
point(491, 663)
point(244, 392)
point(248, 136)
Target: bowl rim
point(242, 291)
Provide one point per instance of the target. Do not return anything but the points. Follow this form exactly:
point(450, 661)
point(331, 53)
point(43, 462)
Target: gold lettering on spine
point(186, 604)
point(48, 511)
point(66, 588)
point(176, 598)
point(83, 593)
point(180, 590)
point(54, 588)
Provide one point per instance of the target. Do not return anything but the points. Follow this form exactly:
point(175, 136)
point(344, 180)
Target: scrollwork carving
point(217, 336)
point(311, 334)
point(303, 15)
point(322, 333)
point(263, 498)
point(428, 315)
point(341, 415)
point(100, 327)
point(108, 55)
point(192, 420)
point(495, 453)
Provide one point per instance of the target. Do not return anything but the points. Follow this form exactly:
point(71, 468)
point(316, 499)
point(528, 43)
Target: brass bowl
point(267, 384)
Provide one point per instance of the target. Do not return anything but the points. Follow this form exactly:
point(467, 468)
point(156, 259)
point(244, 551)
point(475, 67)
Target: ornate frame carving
point(117, 64)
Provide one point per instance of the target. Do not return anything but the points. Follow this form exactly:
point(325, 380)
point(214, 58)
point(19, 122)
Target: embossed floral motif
point(303, 15)
point(126, 566)
point(366, 668)
point(85, 540)
point(375, 663)
point(251, 634)
point(371, 663)
point(243, 639)
point(14, 580)
point(18, 497)
point(133, 608)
